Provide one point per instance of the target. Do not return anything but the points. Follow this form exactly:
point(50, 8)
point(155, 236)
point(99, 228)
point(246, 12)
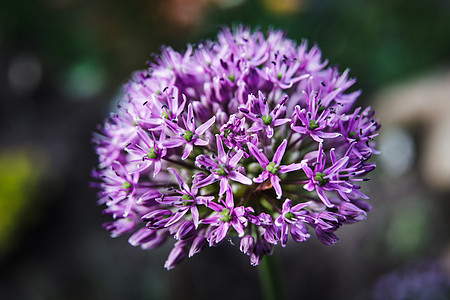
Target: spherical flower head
point(250, 136)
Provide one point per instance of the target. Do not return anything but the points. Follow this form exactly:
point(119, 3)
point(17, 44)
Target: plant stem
point(270, 281)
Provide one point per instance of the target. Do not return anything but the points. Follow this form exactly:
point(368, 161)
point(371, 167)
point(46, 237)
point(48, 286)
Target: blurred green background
point(62, 65)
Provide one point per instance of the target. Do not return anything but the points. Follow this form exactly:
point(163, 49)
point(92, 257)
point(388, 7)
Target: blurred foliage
point(381, 41)
point(19, 177)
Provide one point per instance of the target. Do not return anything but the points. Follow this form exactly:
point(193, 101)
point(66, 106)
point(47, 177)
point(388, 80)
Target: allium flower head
point(250, 137)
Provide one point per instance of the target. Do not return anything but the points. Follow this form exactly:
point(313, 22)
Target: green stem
point(270, 281)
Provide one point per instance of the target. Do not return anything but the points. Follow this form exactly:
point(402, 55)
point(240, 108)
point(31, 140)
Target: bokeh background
point(62, 65)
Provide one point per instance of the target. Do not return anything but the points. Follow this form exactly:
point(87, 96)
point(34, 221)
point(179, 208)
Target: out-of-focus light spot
point(229, 3)
point(24, 74)
point(397, 151)
point(284, 7)
point(407, 234)
point(84, 80)
point(20, 173)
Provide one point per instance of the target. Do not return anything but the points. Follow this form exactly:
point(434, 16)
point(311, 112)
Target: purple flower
point(251, 136)
point(257, 110)
point(293, 220)
point(186, 200)
point(222, 168)
point(189, 135)
point(226, 216)
point(315, 119)
point(324, 179)
point(149, 153)
point(273, 169)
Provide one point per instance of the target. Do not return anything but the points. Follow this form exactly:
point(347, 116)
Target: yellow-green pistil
point(273, 168)
point(186, 197)
point(226, 215)
point(167, 114)
point(352, 135)
point(319, 176)
point(221, 170)
point(188, 135)
point(152, 153)
point(290, 216)
point(126, 185)
point(313, 125)
point(267, 120)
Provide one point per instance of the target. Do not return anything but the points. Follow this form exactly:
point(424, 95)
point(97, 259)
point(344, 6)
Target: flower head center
point(273, 168)
point(221, 170)
point(267, 120)
point(352, 134)
point(319, 176)
point(313, 125)
point(188, 135)
point(226, 216)
point(151, 154)
point(187, 197)
point(167, 114)
point(290, 216)
point(321, 109)
point(126, 185)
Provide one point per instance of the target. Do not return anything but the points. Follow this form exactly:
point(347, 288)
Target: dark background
point(62, 65)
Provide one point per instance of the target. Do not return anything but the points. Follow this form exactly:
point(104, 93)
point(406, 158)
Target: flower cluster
point(250, 137)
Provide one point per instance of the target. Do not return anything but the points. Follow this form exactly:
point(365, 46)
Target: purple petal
point(238, 177)
point(260, 157)
point(195, 215)
point(223, 185)
point(280, 152)
point(238, 227)
point(202, 128)
point(207, 181)
point(176, 217)
point(214, 205)
point(269, 131)
point(172, 126)
point(229, 201)
point(279, 122)
point(299, 129)
point(256, 127)
point(262, 177)
point(338, 165)
point(157, 167)
point(190, 118)
point(327, 135)
point(323, 196)
point(276, 185)
point(235, 159)
point(315, 136)
point(200, 142)
point(181, 183)
point(174, 142)
point(309, 186)
point(220, 151)
point(187, 150)
point(290, 168)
